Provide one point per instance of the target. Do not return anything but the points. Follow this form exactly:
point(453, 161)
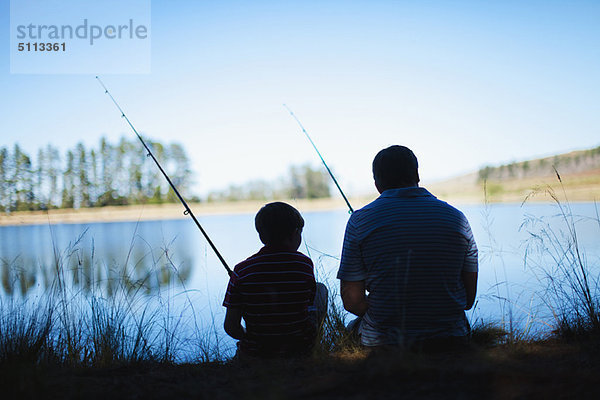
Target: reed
point(516, 322)
point(116, 322)
point(24, 332)
point(570, 281)
point(333, 335)
point(111, 322)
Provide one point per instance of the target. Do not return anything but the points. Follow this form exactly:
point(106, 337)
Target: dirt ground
point(544, 370)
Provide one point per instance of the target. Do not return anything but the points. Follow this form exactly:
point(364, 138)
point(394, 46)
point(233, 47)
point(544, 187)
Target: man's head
point(395, 167)
point(279, 224)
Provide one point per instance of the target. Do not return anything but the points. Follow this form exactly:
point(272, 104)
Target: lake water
point(171, 260)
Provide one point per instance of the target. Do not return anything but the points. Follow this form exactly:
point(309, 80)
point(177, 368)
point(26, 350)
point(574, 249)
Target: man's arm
point(233, 323)
point(470, 283)
point(353, 297)
point(352, 273)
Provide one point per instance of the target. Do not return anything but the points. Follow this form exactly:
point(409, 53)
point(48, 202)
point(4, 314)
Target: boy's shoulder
point(272, 257)
point(266, 254)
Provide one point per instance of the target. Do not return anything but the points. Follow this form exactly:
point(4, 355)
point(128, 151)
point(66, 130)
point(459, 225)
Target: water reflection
point(146, 257)
point(30, 263)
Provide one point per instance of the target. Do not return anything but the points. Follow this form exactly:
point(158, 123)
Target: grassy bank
point(112, 353)
point(529, 370)
point(583, 186)
point(71, 344)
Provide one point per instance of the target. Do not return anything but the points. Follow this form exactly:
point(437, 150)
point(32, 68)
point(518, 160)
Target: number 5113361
point(43, 46)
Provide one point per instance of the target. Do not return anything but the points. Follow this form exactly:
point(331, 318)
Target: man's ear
point(262, 239)
point(379, 188)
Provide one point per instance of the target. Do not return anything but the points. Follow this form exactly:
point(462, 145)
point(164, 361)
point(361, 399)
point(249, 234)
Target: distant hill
point(575, 162)
point(579, 172)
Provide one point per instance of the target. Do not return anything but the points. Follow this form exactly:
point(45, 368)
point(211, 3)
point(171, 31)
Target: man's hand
point(470, 283)
point(353, 297)
point(233, 323)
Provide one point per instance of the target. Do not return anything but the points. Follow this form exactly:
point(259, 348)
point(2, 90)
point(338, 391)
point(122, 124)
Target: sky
point(462, 83)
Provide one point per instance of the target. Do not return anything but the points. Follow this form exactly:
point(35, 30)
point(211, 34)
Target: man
point(416, 257)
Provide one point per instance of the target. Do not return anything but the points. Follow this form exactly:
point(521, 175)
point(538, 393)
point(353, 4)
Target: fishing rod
point(187, 211)
point(350, 209)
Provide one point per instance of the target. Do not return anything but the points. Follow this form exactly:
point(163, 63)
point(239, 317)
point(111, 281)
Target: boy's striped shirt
point(274, 290)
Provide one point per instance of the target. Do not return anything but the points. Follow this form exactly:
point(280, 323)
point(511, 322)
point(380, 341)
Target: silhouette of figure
point(415, 256)
point(275, 291)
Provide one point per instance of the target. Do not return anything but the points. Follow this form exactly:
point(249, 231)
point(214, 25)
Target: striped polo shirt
point(274, 289)
point(410, 249)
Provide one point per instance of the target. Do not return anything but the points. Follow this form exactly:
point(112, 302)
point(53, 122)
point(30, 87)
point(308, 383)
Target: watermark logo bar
point(79, 36)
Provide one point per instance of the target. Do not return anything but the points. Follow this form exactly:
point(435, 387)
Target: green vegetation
point(575, 162)
point(112, 174)
point(118, 174)
point(302, 182)
point(512, 182)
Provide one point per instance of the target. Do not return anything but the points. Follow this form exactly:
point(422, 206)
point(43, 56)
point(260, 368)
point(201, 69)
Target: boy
point(273, 290)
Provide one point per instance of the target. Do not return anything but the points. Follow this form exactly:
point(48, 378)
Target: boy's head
point(279, 224)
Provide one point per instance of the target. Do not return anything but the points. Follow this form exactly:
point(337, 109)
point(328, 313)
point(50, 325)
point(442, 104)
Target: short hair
point(276, 222)
point(394, 167)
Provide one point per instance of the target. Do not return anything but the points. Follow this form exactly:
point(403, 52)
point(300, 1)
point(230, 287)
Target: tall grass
point(333, 336)
point(516, 322)
point(114, 319)
point(566, 302)
point(571, 281)
point(24, 333)
point(109, 322)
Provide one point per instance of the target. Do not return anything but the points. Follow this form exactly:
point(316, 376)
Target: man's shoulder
point(443, 206)
point(448, 211)
point(389, 204)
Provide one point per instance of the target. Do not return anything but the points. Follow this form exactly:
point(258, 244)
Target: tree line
point(120, 174)
point(301, 182)
point(575, 162)
point(110, 174)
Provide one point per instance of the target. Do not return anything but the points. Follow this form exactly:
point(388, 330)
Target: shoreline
point(133, 213)
point(157, 212)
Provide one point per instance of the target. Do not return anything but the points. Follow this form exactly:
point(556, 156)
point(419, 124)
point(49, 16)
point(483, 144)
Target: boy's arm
point(233, 303)
point(233, 323)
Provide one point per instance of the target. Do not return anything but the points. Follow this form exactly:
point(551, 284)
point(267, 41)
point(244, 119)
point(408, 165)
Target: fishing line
point(350, 209)
point(187, 211)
